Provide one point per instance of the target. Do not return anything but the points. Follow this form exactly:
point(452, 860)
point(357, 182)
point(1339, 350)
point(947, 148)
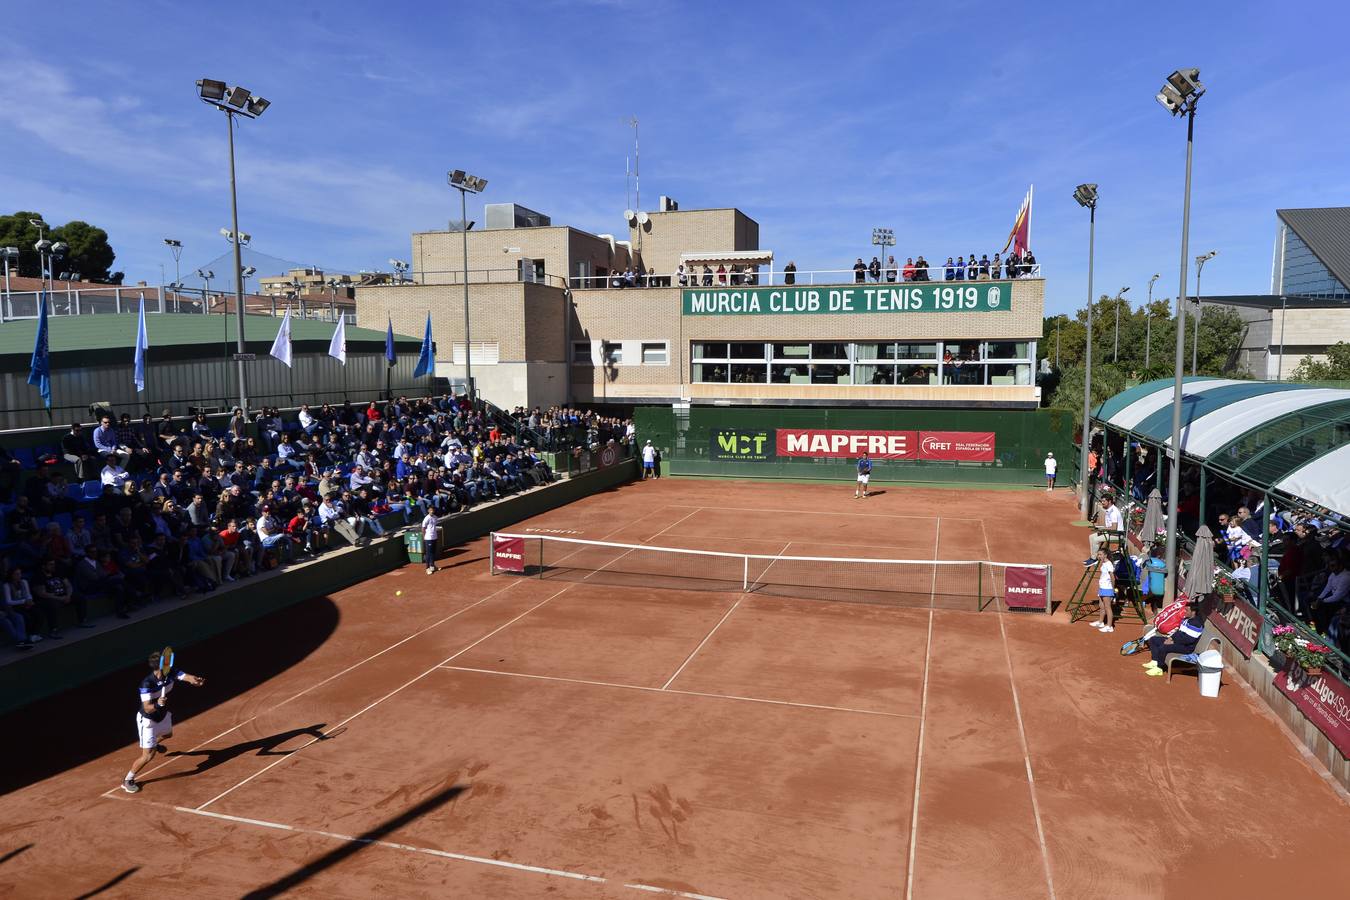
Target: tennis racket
point(165, 662)
point(1129, 648)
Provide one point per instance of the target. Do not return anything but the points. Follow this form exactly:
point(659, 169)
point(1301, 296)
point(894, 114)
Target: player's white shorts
point(152, 732)
point(862, 479)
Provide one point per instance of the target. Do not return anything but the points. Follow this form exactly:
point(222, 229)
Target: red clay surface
point(509, 737)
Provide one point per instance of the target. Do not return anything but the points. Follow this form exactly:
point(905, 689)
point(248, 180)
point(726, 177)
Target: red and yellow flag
point(1020, 236)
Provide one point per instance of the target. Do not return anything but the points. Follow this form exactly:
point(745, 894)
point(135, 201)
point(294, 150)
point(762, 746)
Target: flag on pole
point(142, 344)
point(281, 347)
point(1020, 236)
point(389, 344)
point(40, 369)
point(425, 364)
point(337, 348)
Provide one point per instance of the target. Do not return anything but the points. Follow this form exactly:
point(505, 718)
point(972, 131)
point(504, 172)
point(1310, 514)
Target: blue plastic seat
point(93, 489)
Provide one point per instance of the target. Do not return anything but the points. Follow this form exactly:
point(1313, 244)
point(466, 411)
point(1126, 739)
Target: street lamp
point(1179, 96)
point(234, 101)
point(466, 184)
point(1115, 347)
point(1199, 306)
point(1148, 320)
point(1086, 195)
point(206, 275)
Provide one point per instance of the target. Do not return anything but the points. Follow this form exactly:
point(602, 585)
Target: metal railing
point(480, 276)
point(21, 305)
point(754, 277)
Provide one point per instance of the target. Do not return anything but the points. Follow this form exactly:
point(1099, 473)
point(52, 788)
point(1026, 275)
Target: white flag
point(337, 348)
point(281, 347)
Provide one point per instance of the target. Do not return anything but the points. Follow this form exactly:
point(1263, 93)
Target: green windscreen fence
point(905, 445)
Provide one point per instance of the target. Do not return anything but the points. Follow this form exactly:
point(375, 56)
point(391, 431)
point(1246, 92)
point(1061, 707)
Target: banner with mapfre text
point(841, 443)
point(508, 554)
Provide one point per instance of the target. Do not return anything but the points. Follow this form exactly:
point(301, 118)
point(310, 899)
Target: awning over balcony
point(728, 257)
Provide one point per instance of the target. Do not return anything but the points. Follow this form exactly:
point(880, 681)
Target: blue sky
point(818, 120)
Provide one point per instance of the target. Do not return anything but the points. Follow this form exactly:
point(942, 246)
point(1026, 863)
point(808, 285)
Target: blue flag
point(425, 364)
point(142, 344)
point(40, 370)
point(389, 344)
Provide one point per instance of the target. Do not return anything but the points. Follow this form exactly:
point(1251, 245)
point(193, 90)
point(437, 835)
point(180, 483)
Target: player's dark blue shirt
point(153, 686)
point(864, 466)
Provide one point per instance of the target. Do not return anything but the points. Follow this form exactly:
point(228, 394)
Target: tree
point(89, 253)
point(1336, 367)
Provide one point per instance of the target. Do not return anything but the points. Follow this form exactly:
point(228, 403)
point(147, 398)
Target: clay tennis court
point(499, 736)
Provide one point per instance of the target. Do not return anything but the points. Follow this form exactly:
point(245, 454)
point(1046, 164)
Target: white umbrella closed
point(1200, 577)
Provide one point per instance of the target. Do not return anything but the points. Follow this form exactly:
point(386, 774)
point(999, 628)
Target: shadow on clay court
point(264, 746)
point(356, 845)
point(15, 852)
point(98, 718)
point(109, 884)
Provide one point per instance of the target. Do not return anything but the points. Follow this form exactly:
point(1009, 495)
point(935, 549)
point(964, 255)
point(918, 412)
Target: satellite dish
point(642, 218)
point(629, 215)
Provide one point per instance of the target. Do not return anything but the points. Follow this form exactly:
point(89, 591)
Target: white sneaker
point(1107, 629)
point(1095, 624)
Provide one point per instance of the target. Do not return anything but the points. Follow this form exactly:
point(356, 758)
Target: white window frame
point(665, 350)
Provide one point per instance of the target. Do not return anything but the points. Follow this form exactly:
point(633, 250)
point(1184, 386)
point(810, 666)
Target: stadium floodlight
point(1199, 306)
point(173, 243)
point(238, 97)
point(256, 105)
point(1179, 96)
point(1148, 319)
point(466, 184)
point(250, 271)
point(211, 91)
point(1086, 195)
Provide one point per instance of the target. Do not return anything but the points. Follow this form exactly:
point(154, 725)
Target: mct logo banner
point(741, 445)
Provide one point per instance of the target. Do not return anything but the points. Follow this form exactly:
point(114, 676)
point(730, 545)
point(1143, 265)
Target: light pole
point(234, 101)
point(176, 248)
point(42, 246)
point(1179, 96)
point(1115, 346)
point(1199, 306)
point(1148, 320)
point(883, 238)
point(206, 277)
point(332, 298)
point(466, 184)
point(1284, 312)
point(1086, 195)
point(9, 254)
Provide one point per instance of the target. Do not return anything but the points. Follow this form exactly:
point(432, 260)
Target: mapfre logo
point(1026, 590)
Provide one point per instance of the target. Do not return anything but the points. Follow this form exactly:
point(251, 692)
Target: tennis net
point(947, 584)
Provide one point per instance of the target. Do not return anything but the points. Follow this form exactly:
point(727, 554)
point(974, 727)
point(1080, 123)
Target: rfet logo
point(957, 446)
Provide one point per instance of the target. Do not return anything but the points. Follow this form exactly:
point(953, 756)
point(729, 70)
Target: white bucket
point(1211, 670)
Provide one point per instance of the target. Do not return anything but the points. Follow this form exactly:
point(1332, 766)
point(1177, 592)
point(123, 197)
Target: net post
point(540, 567)
point(979, 586)
point(1049, 573)
point(492, 552)
point(745, 574)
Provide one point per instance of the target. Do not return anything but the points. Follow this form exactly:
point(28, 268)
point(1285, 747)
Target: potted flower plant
point(1311, 657)
point(1136, 518)
point(1285, 637)
point(1224, 586)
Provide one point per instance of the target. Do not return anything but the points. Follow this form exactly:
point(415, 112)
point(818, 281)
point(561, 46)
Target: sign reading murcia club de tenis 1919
point(989, 296)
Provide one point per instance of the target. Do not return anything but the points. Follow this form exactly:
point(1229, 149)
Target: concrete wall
point(1306, 332)
point(1257, 672)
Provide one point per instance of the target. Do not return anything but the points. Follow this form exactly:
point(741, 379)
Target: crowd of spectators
point(1307, 550)
point(919, 269)
point(568, 429)
point(162, 509)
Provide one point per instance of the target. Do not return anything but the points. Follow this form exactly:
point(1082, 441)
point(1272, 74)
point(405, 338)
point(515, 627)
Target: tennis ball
point(398, 593)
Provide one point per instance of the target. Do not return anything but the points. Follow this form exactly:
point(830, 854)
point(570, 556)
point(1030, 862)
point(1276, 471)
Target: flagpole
point(1030, 198)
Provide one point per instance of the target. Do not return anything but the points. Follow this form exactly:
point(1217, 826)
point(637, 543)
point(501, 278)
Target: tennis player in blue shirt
point(153, 721)
point(864, 474)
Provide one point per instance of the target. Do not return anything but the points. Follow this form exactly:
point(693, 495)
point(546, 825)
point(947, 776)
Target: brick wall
point(667, 235)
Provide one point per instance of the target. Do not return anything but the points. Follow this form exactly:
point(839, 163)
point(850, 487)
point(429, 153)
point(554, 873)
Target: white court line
point(821, 512)
point(428, 671)
point(688, 659)
point(918, 763)
point(1022, 736)
point(923, 720)
point(656, 690)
